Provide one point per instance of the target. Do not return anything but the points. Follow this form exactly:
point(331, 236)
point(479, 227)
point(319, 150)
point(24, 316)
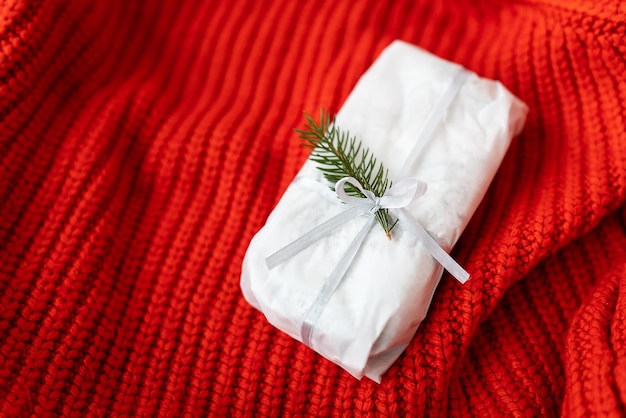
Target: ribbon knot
point(397, 196)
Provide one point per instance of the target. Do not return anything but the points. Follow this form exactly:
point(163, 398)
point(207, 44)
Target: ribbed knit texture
point(142, 144)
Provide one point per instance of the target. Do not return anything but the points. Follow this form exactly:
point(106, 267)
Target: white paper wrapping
point(385, 294)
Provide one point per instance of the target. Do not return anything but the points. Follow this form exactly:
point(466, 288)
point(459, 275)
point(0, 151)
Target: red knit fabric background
point(142, 144)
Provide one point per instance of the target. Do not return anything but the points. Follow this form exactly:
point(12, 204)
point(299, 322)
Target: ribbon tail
point(306, 240)
point(314, 312)
point(408, 222)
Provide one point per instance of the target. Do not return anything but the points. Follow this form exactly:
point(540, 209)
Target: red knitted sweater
point(142, 144)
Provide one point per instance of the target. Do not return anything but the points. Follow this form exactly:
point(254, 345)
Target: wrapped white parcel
point(423, 118)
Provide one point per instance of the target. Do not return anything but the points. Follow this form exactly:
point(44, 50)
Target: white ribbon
point(395, 199)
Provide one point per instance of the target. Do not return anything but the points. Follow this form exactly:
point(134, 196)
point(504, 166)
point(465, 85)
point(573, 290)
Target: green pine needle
point(338, 155)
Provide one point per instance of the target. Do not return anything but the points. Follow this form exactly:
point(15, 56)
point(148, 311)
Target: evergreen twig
point(339, 155)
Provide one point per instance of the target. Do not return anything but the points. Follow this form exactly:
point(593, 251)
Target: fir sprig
point(339, 155)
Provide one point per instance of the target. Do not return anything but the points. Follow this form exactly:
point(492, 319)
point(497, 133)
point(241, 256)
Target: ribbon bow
point(397, 196)
point(395, 199)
